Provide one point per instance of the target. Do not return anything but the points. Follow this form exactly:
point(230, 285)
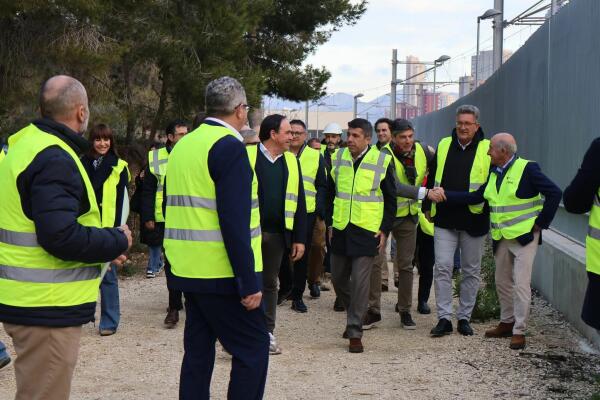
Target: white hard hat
point(333, 129)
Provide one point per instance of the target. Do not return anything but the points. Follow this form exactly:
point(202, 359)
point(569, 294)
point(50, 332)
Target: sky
point(359, 56)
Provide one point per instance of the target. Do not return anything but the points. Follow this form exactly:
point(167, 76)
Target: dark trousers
point(175, 296)
point(293, 277)
point(425, 261)
point(242, 333)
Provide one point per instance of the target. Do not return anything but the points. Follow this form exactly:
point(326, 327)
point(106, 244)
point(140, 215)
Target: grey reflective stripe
point(380, 169)
point(25, 239)
point(594, 233)
point(403, 204)
point(436, 184)
point(159, 187)
point(308, 179)
point(474, 186)
point(310, 193)
point(254, 203)
point(156, 163)
point(191, 201)
point(338, 164)
point(368, 199)
point(519, 207)
point(373, 167)
point(290, 214)
point(42, 275)
point(193, 235)
point(256, 232)
point(596, 201)
point(291, 196)
point(515, 220)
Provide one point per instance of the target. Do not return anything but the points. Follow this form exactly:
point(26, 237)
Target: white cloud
point(359, 56)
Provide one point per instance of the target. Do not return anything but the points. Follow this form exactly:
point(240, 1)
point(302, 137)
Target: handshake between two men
point(436, 195)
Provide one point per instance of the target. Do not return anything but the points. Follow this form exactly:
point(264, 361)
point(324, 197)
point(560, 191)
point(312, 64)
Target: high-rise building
point(413, 67)
point(464, 85)
point(406, 110)
point(486, 64)
point(446, 99)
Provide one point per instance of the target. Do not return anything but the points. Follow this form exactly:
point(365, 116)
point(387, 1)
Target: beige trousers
point(513, 281)
point(46, 359)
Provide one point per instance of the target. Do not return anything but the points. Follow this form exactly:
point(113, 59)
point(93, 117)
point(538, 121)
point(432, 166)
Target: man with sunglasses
point(461, 164)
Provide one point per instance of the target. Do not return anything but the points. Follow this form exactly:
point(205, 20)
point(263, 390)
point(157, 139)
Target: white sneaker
point(274, 349)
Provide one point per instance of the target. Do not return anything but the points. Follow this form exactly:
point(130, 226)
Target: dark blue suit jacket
point(230, 170)
point(532, 183)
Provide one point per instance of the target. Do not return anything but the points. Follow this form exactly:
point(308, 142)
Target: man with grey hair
point(212, 242)
point(52, 242)
point(461, 164)
point(514, 193)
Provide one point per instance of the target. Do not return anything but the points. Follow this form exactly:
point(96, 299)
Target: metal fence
point(547, 95)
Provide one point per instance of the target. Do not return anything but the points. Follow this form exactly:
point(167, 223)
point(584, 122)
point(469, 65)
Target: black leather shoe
point(370, 320)
point(443, 327)
point(337, 306)
point(464, 328)
point(299, 306)
point(423, 308)
point(315, 291)
point(407, 321)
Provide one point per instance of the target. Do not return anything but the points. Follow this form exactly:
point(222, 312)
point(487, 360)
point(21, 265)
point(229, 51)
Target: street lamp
point(355, 109)
point(318, 105)
point(437, 63)
point(491, 13)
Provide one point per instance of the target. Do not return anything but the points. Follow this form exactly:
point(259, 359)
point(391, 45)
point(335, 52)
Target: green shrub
point(487, 305)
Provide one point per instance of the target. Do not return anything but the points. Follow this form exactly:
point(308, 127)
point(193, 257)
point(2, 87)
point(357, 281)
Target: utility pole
point(306, 114)
point(498, 34)
point(554, 7)
point(394, 84)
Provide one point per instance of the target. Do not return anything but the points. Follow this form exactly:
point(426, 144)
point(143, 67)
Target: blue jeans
point(3, 353)
point(155, 262)
point(109, 300)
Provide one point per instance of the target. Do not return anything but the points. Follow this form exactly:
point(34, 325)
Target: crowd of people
point(242, 221)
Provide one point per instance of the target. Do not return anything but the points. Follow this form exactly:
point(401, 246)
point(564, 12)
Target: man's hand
point(149, 225)
point(297, 251)
point(428, 216)
point(127, 233)
point(382, 238)
point(436, 195)
point(536, 228)
point(119, 261)
point(252, 301)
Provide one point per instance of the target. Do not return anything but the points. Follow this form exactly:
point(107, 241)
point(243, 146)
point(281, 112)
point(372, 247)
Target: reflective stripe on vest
point(359, 199)
point(309, 164)
point(592, 240)
point(405, 205)
point(158, 160)
point(109, 194)
point(30, 276)
point(193, 239)
point(291, 188)
point(479, 170)
point(511, 216)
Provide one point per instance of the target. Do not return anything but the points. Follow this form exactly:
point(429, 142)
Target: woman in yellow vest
point(109, 176)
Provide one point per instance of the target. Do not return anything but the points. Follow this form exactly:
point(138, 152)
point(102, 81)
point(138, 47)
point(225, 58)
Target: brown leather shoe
point(517, 342)
point(355, 346)
point(502, 330)
point(171, 319)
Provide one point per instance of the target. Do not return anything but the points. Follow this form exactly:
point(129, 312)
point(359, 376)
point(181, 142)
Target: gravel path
point(142, 360)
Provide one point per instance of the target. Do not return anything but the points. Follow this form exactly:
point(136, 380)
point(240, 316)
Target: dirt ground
point(143, 359)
